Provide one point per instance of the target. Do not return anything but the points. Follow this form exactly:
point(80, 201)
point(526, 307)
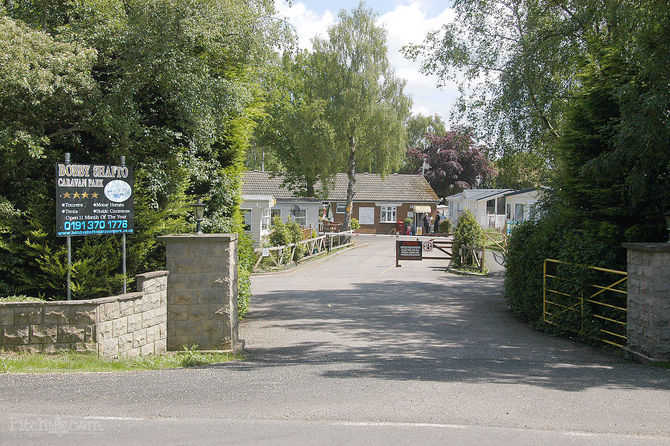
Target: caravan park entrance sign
point(94, 199)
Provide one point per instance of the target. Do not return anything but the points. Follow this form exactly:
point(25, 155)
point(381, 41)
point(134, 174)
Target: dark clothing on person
point(436, 225)
point(426, 224)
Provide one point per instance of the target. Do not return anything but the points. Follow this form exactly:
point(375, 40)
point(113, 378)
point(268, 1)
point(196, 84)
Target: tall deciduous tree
point(454, 162)
point(363, 99)
point(515, 62)
point(296, 129)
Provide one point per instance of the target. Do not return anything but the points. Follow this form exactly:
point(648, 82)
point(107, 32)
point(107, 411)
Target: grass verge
point(68, 362)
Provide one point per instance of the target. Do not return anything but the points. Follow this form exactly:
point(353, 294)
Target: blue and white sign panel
point(94, 199)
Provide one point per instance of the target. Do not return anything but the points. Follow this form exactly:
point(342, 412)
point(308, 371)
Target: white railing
point(496, 221)
point(314, 247)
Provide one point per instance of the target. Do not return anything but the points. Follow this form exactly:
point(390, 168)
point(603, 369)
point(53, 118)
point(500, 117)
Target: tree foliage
point(418, 127)
point(454, 162)
point(613, 178)
point(365, 103)
point(172, 85)
point(344, 108)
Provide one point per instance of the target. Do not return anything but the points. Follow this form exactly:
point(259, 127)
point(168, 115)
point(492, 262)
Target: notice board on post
point(94, 199)
point(409, 250)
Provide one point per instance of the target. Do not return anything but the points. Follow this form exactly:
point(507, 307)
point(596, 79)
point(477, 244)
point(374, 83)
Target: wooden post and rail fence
point(314, 246)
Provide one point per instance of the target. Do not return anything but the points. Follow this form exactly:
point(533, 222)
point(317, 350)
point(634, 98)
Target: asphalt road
point(351, 350)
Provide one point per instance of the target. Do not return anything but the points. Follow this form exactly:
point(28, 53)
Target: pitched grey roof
point(369, 187)
point(477, 194)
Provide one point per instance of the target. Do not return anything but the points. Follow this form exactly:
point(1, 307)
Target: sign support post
point(69, 248)
point(125, 278)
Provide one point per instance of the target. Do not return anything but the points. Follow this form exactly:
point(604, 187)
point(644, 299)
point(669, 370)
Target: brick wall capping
point(650, 247)
point(74, 303)
point(198, 237)
point(152, 274)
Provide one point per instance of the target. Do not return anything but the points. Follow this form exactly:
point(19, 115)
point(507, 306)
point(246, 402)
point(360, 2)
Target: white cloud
point(307, 24)
point(407, 23)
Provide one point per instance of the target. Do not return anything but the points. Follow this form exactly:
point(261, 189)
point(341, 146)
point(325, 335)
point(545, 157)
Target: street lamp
point(199, 211)
point(667, 224)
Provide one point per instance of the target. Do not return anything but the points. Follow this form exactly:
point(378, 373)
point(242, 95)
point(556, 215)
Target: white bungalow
point(487, 205)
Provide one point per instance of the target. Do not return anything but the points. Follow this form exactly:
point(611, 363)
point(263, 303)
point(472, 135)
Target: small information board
point(409, 250)
point(94, 199)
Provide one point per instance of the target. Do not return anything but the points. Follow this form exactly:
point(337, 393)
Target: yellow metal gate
point(591, 302)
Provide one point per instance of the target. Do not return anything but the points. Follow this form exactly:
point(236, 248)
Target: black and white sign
point(409, 250)
point(428, 246)
point(94, 199)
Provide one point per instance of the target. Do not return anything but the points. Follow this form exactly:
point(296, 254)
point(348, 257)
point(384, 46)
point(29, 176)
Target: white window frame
point(266, 220)
point(337, 208)
point(301, 219)
point(384, 214)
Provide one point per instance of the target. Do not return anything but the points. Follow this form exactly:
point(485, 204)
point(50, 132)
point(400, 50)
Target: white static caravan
point(522, 205)
point(487, 205)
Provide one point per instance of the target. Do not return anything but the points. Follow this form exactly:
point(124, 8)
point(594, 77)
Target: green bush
point(245, 267)
point(530, 243)
point(408, 223)
point(279, 235)
point(284, 234)
point(445, 226)
point(355, 224)
point(467, 232)
point(296, 235)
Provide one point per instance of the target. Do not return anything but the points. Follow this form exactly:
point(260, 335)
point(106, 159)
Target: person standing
point(426, 223)
point(436, 223)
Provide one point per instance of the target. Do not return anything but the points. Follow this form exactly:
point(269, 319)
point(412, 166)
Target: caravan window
point(518, 211)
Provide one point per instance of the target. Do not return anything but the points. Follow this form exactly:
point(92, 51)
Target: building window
point(246, 215)
point(274, 213)
point(388, 214)
point(366, 215)
point(265, 220)
point(518, 212)
point(299, 215)
point(341, 208)
point(509, 211)
point(490, 206)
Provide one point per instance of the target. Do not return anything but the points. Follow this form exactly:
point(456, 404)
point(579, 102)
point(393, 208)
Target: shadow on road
point(456, 331)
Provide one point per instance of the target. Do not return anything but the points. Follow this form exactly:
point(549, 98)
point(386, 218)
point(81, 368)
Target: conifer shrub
point(467, 232)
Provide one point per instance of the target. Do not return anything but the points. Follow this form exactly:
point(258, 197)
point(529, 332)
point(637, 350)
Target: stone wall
point(125, 325)
point(648, 322)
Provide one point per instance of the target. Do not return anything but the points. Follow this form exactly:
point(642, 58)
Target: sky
point(406, 21)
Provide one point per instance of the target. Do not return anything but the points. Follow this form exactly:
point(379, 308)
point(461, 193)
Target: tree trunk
point(351, 174)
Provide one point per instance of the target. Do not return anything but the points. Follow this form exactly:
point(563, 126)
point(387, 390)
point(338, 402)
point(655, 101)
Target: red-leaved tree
point(454, 162)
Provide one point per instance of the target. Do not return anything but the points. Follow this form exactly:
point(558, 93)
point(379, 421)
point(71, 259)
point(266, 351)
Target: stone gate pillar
point(202, 291)
point(648, 322)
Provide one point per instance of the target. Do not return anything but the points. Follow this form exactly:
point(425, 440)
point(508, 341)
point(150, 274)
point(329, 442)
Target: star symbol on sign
point(94, 195)
point(84, 195)
point(76, 195)
point(66, 195)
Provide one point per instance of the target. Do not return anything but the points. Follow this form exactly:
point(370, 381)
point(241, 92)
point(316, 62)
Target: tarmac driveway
point(351, 350)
